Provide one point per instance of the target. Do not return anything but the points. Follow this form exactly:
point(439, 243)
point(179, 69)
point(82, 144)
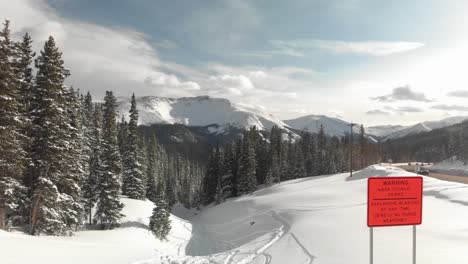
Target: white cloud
point(402, 93)
point(458, 93)
point(372, 48)
point(99, 58)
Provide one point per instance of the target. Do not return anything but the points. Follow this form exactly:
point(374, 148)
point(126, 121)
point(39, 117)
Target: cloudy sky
point(367, 61)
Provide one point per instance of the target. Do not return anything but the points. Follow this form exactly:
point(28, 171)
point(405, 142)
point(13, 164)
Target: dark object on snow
point(423, 172)
point(252, 223)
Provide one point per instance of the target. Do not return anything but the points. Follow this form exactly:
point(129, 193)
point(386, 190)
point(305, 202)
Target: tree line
point(65, 160)
point(265, 158)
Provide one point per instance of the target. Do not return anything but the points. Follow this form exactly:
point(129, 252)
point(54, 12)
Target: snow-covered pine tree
point(23, 58)
point(12, 155)
point(133, 185)
point(227, 175)
point(122, 135)
point(220, 182)
point(151, 169)
point(274, 172)
point(247, 179)
point(210, 180)
point(69, 185)
point(170, 183)
point(109, 207)
point(90, 189)
point(160, 223)
point(299, 169)
point(322, 161)
point(50, 149)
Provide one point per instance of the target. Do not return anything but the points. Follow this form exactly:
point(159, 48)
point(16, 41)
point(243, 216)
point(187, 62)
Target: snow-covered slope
point(311, 123)
point(332, 126)
point(319, 220)
point(383, 131)
point(198, 111)
point(426, 126)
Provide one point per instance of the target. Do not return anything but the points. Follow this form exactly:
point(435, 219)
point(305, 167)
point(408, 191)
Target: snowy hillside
point(383, 131)
point(198, 111)
point(426, 126)
point(311, 123)
point(332, 126)
point(310, 220)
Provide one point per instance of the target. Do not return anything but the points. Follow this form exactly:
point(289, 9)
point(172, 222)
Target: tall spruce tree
point(12, 155)
point(247, 178)
point(151, 169)
point(133, 185)
point(160, 223)
point(53, 196)
point(109, 207)
point(90, 184)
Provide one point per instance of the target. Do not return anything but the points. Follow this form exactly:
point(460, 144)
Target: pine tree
point(109, 206)
point(90, 185)
point(224, 183)
point(210, 180)
point(12, 155)
point(151, 170)
point(160, 223)
point(23, 70)
point(322, 161)
point(299, 169)
point(133, 184)
point(75, 161)
point(54, 196)
point(247, 179)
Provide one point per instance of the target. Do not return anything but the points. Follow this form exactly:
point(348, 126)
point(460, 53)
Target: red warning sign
point(393, 201)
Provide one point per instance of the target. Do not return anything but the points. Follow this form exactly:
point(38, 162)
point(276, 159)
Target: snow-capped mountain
point(311, 123)
point(425, 127)
point(199, 111)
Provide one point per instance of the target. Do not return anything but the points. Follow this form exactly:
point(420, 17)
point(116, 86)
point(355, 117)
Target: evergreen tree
point(299, 170)
point(151, 169)
point(210, 181)
point(224, 186)
point(322, 161)
point(160, 224)
point(247, 178)
point(54, 194)
point(90, 185)
point(109, 206)
point(275, 170)
point(70, 184)
point(23, 71)
point(133, 184)
point(12, 155)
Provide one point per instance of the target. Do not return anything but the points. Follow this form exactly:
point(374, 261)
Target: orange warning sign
point(393, 201)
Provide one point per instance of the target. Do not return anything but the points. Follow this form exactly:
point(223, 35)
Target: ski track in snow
point(234, 256)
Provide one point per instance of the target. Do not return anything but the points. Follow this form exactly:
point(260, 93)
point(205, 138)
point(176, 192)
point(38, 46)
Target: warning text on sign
point(394, 201)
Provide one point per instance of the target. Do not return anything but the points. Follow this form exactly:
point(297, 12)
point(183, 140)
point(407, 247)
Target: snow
point(310, 220)
point(332, 126)
point(383, 131)
point(198, 111)
point(451, 166)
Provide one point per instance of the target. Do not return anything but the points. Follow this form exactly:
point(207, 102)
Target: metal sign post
point(371, 250)
point(393, 201)
point(414, 244)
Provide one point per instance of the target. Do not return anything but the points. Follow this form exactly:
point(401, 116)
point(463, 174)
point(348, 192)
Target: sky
point(374, 62)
